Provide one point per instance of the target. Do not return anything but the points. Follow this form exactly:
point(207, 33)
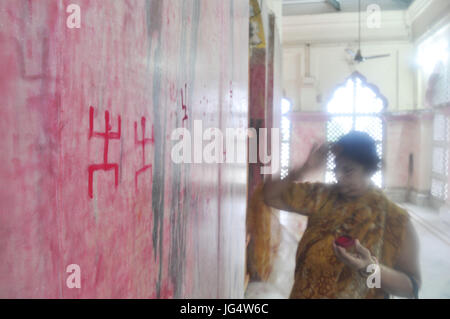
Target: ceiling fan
point(358, 57)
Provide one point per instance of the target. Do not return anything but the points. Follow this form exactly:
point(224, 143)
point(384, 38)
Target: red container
point(345, 241)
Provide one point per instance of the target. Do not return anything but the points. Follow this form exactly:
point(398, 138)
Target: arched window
point(355, 105)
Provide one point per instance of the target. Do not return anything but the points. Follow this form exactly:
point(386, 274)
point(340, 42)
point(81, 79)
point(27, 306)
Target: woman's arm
point(274, 188)
point(396, 281)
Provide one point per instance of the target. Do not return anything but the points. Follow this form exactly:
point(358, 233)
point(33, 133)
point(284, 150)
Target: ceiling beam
point(336, 4)
point(342, 27)
point(289, 2)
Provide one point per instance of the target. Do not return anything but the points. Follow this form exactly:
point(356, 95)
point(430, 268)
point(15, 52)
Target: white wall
point(330, 66)
point(398, 77)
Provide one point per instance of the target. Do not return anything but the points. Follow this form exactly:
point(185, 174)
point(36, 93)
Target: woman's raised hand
point(317, 156)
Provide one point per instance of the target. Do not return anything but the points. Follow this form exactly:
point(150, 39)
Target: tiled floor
point(434, 235)
point(433, 229)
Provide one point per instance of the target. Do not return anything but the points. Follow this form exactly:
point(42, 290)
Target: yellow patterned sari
point(378, 223)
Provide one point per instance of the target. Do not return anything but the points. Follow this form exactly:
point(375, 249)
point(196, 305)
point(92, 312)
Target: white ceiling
point(303, 7)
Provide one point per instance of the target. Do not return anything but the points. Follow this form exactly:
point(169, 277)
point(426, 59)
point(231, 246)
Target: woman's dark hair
point(359, 147)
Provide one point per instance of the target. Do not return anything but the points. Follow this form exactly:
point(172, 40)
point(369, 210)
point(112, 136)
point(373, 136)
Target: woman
point(355, 207)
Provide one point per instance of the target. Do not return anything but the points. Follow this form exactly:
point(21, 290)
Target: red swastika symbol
point(107, 135)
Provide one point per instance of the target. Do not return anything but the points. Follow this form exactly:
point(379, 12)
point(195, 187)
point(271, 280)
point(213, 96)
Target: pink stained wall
point(402, 139)
point(160, 231)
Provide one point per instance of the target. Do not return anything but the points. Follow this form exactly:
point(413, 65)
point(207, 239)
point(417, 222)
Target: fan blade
point(351, 52)
point(376, 56)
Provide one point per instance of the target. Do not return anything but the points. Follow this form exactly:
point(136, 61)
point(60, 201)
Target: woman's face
point(351, 177)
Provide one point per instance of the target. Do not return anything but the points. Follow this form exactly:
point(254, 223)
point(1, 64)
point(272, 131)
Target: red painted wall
point(160, 231)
